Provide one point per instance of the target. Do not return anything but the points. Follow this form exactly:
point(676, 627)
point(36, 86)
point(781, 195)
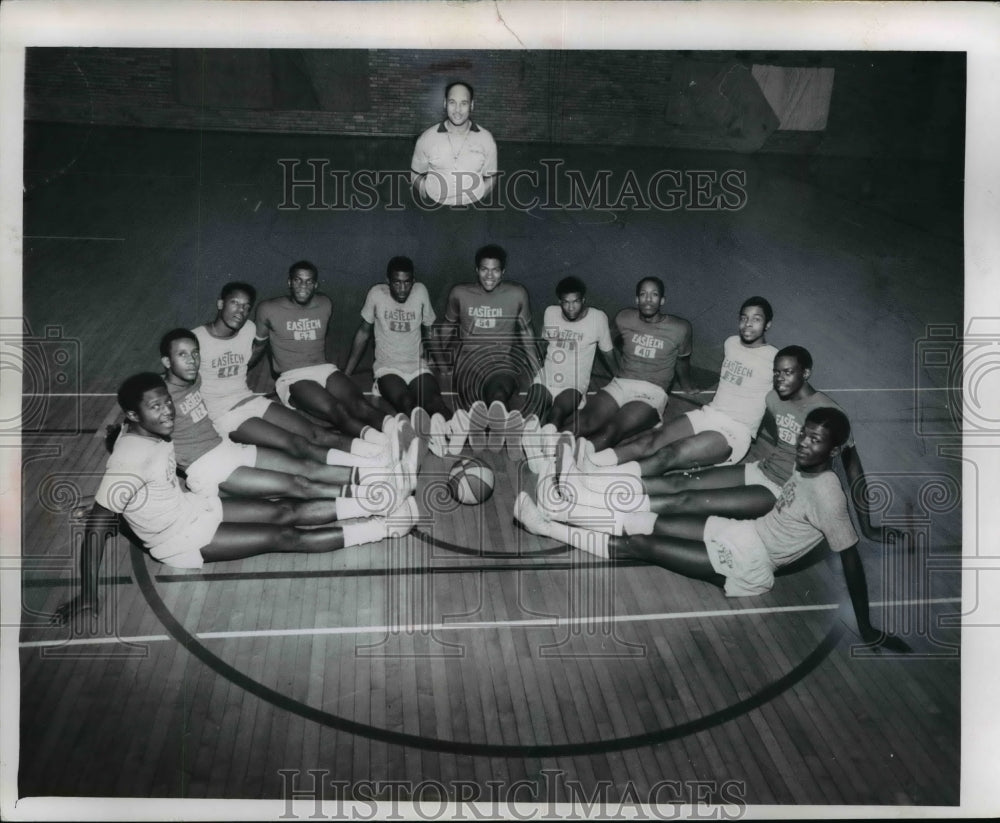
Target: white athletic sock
point(351, 507)
point(638, 522)
point(592, 542)
point(626, 495)
point(367, 448)
point(622, 492)
point(605, 457)
point(631, 468)
point(592, 518)
point(366, 530)
point(336, 457)
point(366, 474)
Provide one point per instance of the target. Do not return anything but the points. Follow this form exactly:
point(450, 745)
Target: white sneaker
point(401, 520)
point(438, 441)
point(584, 455)
point(390, 431)
point(497, 417)
point(514, 432)
point(549, 498)
point(529, 517)
point(531, 438)
point(478, 421)
point(421, 422)
point(564, 457)
point(542, 465)
point(549, 437)
point(379, 495)
point(459, 426)
point(373, 435)
point(405, 434)
point(411, 463)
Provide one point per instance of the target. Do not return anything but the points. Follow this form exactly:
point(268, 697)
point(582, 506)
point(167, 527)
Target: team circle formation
point(203, 469)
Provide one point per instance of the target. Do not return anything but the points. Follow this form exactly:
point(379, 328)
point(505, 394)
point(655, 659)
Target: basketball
point(470, 481)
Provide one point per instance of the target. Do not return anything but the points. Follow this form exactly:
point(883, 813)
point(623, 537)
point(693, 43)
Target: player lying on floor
point(741, 556)
point(744, 490)
point(186, 530)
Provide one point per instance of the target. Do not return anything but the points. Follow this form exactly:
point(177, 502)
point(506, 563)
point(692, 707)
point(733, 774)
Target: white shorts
point(317, 374)
point(738, 554)
point(753, 476)
point(406, 376)
point(624, 390)
point(205, 475)
point(183, 550)
point(256, 406)
point(707, 419)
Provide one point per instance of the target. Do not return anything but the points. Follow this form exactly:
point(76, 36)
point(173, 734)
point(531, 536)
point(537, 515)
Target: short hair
point(303, 265)
point(399, 263)
point(171, 336)
point(656, 281)
point(132, 389)
point(493, 252)
point(833, 420)
point(761, 303)
point(236, 285)
point(802, 356)
point(453, 83)
point(571, 285)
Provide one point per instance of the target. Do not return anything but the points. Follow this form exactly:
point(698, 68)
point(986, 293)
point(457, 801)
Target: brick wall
point(884, 104)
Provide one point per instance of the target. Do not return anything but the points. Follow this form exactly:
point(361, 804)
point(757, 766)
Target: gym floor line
point(547, 623)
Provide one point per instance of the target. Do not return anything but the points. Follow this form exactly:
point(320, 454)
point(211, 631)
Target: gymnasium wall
point(882, 104)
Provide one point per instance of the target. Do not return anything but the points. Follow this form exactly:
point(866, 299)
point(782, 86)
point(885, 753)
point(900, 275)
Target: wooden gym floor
point(472, 651)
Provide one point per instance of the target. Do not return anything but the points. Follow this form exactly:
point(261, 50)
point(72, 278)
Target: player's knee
point(664, 459)
point(289, 539)
point(301, 484)
point(681, 502)
point(286, 513)
point(358, 406)
point(299, 446)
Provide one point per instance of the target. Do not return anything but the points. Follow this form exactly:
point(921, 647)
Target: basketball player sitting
point(226, 347)
point(741, 556)
point(484, 321)
point(654, 347)
point(399, 315)
point(295, 327)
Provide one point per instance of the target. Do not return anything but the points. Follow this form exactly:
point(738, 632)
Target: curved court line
point(423, 537)
point(192, 645)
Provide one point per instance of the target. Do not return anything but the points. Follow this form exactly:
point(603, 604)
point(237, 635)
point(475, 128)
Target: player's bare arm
point(359, 344)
